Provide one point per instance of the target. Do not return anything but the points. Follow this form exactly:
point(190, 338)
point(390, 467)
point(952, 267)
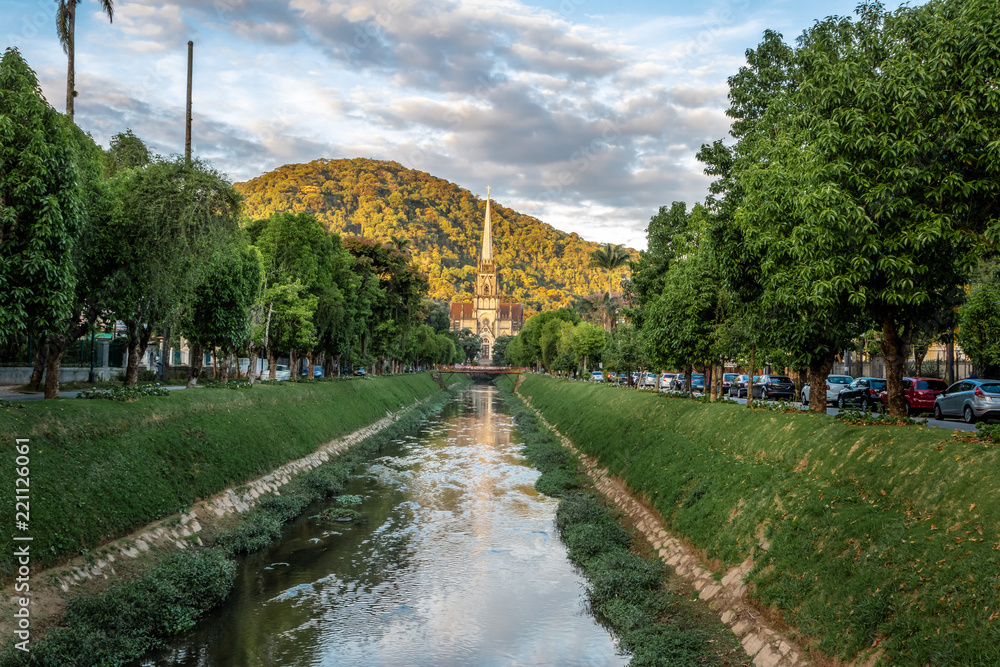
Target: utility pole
point(187, 135)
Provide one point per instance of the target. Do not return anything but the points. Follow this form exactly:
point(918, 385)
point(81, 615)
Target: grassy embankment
point(653, 620)
point(100, 469)
point(135, 615)
point(879, 536)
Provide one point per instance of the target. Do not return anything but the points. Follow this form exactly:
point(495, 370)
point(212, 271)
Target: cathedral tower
point(490, 314)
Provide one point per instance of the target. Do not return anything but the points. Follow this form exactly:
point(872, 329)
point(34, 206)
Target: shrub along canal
point(455, 561)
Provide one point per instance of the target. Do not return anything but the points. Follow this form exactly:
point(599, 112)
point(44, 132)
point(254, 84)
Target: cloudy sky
point(584, 113)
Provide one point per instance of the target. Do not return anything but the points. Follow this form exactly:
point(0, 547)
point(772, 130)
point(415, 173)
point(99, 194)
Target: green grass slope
point(100, 469)
point(880, 537)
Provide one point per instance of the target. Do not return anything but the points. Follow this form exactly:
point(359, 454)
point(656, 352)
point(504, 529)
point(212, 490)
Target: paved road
point(953, 425)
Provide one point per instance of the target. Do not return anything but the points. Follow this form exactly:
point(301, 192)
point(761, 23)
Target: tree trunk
point(138, 340)
point(38, 371)
point(215, 363)
point(56, 345)
point(71, 58)
point(709, 387)
point(292, 370)
point(225, 368)
point(197, 361)
point(918, 359)
point(950, 361)
point(818, 373)
point(687, 380)
point(895, 350)
point(753, 369)
point(132, 364)
point(165, 356)
point(270, 364)
point(309, 373)
point(252, 365)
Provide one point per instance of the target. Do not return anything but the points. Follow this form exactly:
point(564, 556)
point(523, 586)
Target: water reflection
point(457, 565)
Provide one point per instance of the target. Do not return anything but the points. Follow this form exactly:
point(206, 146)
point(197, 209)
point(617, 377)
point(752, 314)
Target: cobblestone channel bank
point(767, 646)
point(181, 530)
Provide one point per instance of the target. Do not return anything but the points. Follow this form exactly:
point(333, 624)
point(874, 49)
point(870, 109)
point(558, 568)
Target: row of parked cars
point(971, 399)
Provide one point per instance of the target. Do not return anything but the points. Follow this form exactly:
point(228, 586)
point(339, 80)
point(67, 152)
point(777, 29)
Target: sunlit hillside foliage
point(540, 266)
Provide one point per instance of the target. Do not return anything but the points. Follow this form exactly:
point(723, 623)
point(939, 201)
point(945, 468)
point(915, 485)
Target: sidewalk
point(9, 394)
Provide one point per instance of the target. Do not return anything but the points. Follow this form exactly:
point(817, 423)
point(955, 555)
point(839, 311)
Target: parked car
point(596, 376)
point(665, 380)
point(971, 399)
point(919, 393)
point(697, 382)
point(738, 386)
point(317, 371)
point(648, 380)
point(834, 385)
point(773, 386)
point(727, 382)
point(360, 372)
point(863, 392)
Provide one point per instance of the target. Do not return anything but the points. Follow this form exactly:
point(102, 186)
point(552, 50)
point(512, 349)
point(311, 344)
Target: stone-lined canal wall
point(766, 644)
point(149, 444)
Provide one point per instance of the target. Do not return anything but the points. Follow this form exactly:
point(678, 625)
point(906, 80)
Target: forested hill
point(540, 266)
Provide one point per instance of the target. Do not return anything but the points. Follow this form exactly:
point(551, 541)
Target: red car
point(919, 393)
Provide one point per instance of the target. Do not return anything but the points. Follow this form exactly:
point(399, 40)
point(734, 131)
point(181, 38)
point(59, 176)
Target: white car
point(648, 380)
point(665, 380)
point(281, 372)
point(834, 385)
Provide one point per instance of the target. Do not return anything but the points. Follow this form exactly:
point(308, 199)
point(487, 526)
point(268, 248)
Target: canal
point(456, 562)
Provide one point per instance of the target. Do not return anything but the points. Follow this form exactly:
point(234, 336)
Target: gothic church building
point(491, 314)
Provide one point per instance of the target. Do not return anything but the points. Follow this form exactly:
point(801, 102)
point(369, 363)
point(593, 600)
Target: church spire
point(487, 254)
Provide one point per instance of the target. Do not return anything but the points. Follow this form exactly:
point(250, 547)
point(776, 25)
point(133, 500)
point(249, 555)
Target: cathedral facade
point(491, 313)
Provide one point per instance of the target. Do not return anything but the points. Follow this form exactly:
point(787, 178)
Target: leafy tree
point(679, 325)
point(126, 151)
point(589, 341)
point(219, 315)
point(514, 354)
point(471, 345)
point(499, 351)
point(529, 349)
point(291, 326)
point(42, 210)
point(979, 327)
point(649, 272)
point(609, 257)
point(170, 219)
point(625, 353)
point(555, 340)
point(66, 28)
point(437, 315)
point(906, 171)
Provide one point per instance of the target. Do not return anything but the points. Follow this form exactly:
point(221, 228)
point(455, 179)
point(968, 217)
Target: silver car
point(971, 399)
point(834, 385)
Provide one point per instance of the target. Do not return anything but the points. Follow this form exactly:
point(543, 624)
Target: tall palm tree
point(609, 257)
point(66, 27)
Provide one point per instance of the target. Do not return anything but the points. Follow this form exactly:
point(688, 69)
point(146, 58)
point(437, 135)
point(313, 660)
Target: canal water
point(456, 563)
